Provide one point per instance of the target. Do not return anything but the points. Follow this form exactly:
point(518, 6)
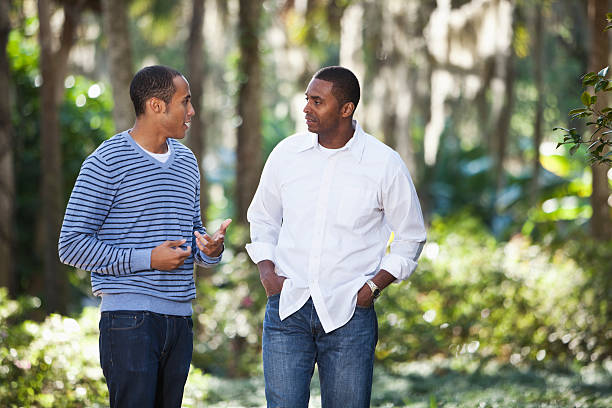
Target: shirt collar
point(355, 145)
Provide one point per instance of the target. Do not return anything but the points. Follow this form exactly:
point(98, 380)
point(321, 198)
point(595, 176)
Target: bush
point(514, 301)
point(50, 364)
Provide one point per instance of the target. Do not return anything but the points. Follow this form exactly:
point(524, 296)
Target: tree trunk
point(249, 107)
point(7, 180)
point(118, 47)
point(195, 73)
point(601, 220)
point(538, 57)
point(504, 120)
point(53, 68)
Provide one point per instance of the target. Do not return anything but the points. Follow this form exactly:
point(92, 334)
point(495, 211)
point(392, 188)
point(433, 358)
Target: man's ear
point(156, 105)
point(347, 109)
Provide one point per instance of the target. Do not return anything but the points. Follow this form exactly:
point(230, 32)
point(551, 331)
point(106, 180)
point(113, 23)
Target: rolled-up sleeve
point(265, 215)
point(405, 218)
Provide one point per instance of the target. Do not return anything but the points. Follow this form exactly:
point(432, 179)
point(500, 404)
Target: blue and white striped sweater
point(124, 204)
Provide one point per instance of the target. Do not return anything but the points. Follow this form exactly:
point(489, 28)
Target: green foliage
point(599, 140)
point(518, 302)
point(85, 120)
point(515, 301)
point(228, 315)
point(49, 364)
point(56, 363)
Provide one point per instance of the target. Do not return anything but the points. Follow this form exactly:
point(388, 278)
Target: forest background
point(510, 304)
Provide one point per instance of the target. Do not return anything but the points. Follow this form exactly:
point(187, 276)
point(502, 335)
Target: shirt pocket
point(357, 207)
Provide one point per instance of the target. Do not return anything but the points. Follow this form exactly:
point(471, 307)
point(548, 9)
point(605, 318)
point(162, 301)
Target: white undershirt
point(162, 157)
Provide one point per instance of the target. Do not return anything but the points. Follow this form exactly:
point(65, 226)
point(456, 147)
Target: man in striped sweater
point(133, 220)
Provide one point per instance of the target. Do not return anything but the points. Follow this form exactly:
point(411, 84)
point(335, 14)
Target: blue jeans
point(345, 357)
point(145, 357)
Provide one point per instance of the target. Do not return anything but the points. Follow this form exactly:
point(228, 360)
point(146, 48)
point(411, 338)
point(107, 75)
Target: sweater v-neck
point(147, 156)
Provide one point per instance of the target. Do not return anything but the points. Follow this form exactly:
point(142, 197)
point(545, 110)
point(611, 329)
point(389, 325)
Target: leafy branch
point(599, 142)
point(600, 118)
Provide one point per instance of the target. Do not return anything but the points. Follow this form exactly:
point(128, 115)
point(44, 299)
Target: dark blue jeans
point(145, 357)
point(345, 357)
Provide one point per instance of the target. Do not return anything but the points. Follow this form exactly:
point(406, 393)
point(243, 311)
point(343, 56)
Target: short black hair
point(345, 84)
point(155, 81)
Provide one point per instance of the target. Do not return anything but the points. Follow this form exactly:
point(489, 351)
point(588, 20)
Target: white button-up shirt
point(324, 219)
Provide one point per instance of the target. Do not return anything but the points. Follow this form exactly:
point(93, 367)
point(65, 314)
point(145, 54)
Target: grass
point(440, 384)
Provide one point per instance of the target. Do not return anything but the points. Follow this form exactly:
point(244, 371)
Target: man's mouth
point(187, 124)
point(310, 119)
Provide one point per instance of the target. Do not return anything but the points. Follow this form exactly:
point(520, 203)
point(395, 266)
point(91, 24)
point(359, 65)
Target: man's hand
point(365, 298)
point(212, 246)
point(169, 256)
point(271, 282)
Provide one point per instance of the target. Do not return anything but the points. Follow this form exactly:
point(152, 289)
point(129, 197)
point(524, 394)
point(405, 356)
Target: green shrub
point(50, 364)
point(514, 301)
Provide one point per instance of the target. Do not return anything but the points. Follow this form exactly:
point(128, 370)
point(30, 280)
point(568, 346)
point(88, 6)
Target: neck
point(146, 136)
point(338, 137)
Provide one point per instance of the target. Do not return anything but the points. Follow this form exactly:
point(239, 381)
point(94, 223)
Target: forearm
point(86, 252)
point(383, 279)
point(204, 260)
point(266, 270)
point(271, 282)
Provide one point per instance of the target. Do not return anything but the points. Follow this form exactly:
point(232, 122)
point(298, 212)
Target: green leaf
point(593, 99)
point(603, 84)
point(589, 81)
point(585, 98)
point(579, 110)
point(603, 72)
point(589, 75)
point(604, 110)
point(561, 128)
point(609, 17)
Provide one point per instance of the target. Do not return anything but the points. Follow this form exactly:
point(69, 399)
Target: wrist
point(374, 289)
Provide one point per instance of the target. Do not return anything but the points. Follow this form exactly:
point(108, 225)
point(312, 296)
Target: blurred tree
point(395, 65)
point(538, 68)
point(7, 180)
point(505, 115)
point(195, 74)
point(601, 222)
point(248, 156)
point(53, 65)
point(119, 51)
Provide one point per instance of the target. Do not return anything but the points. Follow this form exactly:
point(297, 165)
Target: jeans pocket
point(126, 320)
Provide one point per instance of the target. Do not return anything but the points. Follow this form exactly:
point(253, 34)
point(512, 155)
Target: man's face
point(322, 108)
point(179, 111)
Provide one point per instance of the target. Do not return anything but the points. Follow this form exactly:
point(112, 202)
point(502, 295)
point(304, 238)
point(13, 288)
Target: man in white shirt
point(320, 220)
